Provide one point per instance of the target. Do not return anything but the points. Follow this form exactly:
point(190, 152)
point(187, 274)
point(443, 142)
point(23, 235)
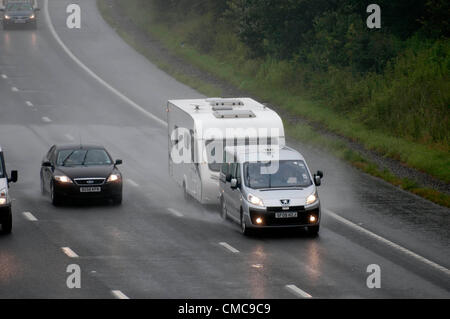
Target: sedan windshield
point(291, 173)
point(80, 157)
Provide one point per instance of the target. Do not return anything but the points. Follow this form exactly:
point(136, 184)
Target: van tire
point(7, 223)
point(223, 210)
point(313, 231)
point(244, 229)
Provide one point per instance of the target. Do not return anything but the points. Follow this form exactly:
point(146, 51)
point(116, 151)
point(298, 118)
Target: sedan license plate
point(286, 215)
point(90, 189)
point(20, 21)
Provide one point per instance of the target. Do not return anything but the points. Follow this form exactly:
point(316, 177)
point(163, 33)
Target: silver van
point(5, 200)
point(269, 187)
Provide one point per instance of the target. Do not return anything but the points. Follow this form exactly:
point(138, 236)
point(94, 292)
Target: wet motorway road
point(59, 86)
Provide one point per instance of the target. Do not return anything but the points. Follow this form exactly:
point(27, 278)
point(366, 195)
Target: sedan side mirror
point(47, 164)
point(37, 9)
point(2, 9)
point(228, 178)
point(118, 162)
point(14, 177)
point(320, 173)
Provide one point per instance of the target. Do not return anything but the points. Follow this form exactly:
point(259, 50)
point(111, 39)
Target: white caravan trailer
point(200, 129)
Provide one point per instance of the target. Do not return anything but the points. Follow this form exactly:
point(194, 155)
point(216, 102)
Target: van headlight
point(63, 179)
point(255, 200)
point(311, 199)
point(3, 197)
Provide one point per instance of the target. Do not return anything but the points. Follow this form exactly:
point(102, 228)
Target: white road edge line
point(4, 76)
point(93, 74)
point(133, 183)
point(14, 89)
point(69, 137)
point(119, 295)
point(29, 103)
point(69, 252)
point(388, 242)
point(229, 247)
point(29, 216)
point(297, 291)
point(46, 119)
point(175, 212)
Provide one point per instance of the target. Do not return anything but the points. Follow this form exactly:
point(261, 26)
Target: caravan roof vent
point(223, 104)
point(229, 114)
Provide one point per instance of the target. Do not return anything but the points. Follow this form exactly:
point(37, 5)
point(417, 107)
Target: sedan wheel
point(54, 197)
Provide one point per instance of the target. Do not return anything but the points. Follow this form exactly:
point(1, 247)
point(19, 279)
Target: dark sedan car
point(80, 172)
point(19, 13)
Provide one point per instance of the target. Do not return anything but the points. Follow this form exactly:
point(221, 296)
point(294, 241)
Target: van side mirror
point(234, 183)
point(317, 180)
point(228, 178)
point(14, 177)
point(47, 164)
point(118, 162)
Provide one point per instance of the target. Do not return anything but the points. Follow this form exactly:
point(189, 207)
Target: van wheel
point(244, 229)
point(313, 231)
point(7, 223)
point(223, 210)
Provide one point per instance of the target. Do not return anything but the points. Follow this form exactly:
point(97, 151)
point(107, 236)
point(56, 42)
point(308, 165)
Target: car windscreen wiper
point(67, 157)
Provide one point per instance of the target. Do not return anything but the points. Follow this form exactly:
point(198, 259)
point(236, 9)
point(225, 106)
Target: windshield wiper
point(84, 159)
point(67, 157)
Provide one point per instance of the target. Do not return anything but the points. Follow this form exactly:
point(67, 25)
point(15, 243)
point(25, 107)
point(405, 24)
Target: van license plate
point(286, 215)
point(90, 189)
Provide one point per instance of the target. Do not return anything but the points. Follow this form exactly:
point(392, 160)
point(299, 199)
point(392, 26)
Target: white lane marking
point(69, 137)
point(46, 119)
point(229, 247)
point(29, 216)
point(29, 103)
point(4, 76)
point(132, 183)
point(297, 291)
point(14, 89)
point(119, 295)
point(93, 74)
point(175, 212)
point(69, 252)
point(388, 242)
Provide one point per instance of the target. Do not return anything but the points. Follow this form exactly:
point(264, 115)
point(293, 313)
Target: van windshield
point(289, 173)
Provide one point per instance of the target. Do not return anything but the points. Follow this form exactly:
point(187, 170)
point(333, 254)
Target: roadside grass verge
point(424, 158)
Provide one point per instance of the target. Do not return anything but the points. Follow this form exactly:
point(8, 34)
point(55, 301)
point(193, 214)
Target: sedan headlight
point(7, 17)
point(63, 179)
point(255, 200)
point(114, 178)
point(32, 16)
point(3, 197)
point(311, 199)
